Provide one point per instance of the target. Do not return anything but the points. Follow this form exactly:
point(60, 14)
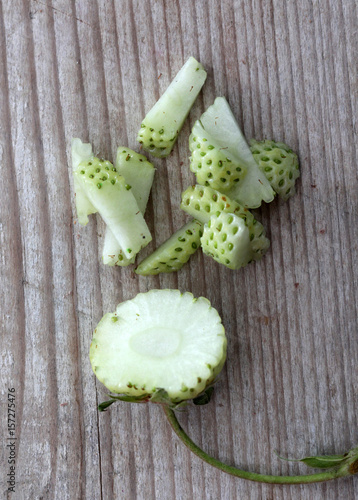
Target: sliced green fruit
point(174, 252)
point(203, 203)
point(226, 239)
point(81, 152)
point(162, 342)
point(111, 196)
point(138, 173)
point(279, 164)
point(210, 163)
point(219, 127)
point(161, 126)
point(112, 253)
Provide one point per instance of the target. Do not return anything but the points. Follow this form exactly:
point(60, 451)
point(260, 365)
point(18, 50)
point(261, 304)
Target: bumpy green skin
point(128, 155)
point(173, 253)
point(203, 203)
point(212, 166)
point(97, 171)
point(158, 142)
point(113, 199)
point(226, 239)
point(162, 124)
point(279, 164)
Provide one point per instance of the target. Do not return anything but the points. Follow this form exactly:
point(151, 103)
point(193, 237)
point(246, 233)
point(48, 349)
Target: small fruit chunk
point(138, 173)
point(81, 152)
point(226, 239)
point(174, 252)
point(202, 202)
point(111, 196)
point(279, 164)
point(162, 124)
point(210, 163)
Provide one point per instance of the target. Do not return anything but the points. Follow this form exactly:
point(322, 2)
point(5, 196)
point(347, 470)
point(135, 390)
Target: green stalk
point(349, 466)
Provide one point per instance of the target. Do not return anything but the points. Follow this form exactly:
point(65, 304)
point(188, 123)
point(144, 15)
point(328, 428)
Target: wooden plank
point(92, 70)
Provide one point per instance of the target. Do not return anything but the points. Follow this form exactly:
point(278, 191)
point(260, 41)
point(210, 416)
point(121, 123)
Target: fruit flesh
point(173, 253)
point(162, 124)
point(138, 173)
point(112, 197)
point(220, 125)
point(148, 344)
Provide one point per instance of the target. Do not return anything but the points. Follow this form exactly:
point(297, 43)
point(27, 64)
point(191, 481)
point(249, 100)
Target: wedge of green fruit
point(279, 164)
point(139, 174)
point(171, 255)
point(162, 124)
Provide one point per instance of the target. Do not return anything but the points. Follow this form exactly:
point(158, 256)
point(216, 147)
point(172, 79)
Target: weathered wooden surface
point(91, 70)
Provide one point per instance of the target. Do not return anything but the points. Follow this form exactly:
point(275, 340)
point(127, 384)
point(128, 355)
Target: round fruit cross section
point(160, 340)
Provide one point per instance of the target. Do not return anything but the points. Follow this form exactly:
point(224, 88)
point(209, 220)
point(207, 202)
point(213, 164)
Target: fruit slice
point(202, 202)
point(219, 127)
point(161, 126)
point(210, 163)
point(112, 253)
point(111, 196)
point(138, 173)
point(81, 152)
point(160, 340)
point(226, 239)
point(279, 164)
point(174, 252)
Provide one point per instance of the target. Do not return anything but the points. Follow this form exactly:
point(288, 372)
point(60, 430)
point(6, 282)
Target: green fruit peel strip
point(162, 124)
point(139, 174)
point(109, 193)
point(174, 252)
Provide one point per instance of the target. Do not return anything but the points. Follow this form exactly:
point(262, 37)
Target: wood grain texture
point(92, 70)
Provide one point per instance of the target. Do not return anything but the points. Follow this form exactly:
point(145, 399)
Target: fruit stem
point(252, 476)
